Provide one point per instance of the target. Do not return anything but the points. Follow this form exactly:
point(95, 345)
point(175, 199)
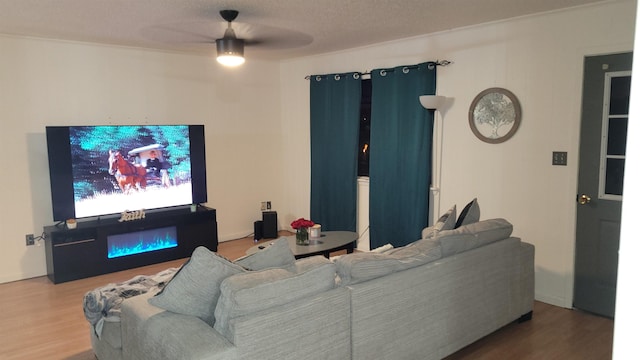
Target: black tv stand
point(83, 252)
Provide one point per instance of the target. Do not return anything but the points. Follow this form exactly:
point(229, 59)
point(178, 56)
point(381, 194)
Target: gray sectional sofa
point(425, 300)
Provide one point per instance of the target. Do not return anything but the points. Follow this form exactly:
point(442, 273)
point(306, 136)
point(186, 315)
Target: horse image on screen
point(129, 176)
point(127, 168)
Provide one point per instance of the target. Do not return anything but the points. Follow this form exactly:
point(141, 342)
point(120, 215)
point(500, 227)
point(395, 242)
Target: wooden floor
point(39, 320)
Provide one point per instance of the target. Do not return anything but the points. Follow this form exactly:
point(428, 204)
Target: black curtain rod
point(437, 62)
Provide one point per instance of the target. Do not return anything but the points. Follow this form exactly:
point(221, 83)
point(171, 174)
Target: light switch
point(559, 158)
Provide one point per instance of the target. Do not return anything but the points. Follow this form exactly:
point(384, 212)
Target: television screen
point(103, 170)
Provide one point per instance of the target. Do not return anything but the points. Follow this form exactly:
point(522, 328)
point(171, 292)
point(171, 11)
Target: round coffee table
point(329, 241)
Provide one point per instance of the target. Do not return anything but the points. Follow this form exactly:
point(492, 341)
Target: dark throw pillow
point(470, 214)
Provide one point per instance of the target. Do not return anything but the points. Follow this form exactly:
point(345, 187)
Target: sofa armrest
point(149, 332)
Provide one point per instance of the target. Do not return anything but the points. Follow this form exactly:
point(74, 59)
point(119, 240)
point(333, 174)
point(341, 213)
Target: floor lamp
point(436, 104)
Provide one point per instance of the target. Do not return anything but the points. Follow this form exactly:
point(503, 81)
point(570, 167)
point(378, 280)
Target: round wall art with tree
point(494, 115)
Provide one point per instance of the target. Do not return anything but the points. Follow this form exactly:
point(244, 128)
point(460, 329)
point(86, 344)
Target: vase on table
point(302, 236)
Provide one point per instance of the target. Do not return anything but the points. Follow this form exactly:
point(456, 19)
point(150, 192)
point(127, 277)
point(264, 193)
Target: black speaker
point(270, 224)
point(257, 230)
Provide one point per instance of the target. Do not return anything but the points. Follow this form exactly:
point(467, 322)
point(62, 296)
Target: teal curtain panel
point(335, 118)
point(401, 150)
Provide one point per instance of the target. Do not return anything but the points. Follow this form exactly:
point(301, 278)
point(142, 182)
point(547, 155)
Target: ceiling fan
point(230, 48)
point(230, 38)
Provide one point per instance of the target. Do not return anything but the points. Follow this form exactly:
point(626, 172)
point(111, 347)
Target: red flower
point(302, 223)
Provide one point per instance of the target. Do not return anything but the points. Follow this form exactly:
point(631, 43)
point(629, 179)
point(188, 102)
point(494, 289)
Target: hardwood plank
point(40, 320)
point(552, 333)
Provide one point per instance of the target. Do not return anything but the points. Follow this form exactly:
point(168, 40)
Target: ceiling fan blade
point(269, 37)
point(202, 33)
point(178, 33)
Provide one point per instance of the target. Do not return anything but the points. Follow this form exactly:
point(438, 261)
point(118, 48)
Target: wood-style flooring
point(40, 320)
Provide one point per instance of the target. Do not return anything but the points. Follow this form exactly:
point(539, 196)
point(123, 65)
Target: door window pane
point(617, 136)
point(619, 102)
point(615, 174)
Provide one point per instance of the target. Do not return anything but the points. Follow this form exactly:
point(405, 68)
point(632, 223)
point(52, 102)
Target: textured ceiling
point(279, 29)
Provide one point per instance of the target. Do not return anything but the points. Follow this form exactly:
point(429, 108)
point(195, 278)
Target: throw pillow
point(195, 289)
point(470, 214)
point(276, 254)
point(447, 221)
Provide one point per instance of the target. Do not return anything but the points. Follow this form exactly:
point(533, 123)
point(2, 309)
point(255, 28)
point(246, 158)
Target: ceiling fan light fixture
point(230, 51)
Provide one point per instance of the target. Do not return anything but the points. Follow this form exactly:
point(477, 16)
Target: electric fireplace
point(141, 242)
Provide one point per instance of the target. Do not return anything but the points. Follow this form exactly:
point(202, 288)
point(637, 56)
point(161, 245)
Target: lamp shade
point(432, 102)
point(230, 51)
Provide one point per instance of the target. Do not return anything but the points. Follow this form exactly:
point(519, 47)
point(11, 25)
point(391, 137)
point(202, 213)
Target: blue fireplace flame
point(141, 242)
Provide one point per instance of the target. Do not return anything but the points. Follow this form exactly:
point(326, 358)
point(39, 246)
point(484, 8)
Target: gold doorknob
point(584, 199)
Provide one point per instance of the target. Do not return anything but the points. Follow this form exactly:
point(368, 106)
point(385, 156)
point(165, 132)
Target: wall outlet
point(265, 205)
point(30, 239)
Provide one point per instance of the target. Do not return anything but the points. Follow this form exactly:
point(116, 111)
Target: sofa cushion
point(446, 221)
point(470, 214)
point(359, 267)
point(276, 254)
point(473, 235)
point(195, 288)
point(254, 291)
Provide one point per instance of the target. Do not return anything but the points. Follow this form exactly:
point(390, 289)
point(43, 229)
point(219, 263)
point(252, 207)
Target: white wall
point(540, 59)
point(44, 82)
point(627, 315)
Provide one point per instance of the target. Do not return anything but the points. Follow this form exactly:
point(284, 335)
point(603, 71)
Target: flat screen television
point(108, 169)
